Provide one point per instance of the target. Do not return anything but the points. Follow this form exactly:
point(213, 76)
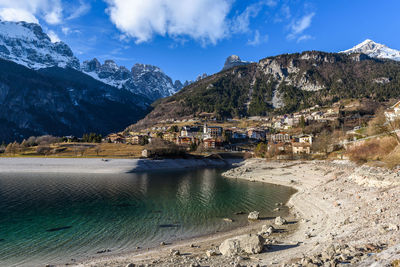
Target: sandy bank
point(98, 165)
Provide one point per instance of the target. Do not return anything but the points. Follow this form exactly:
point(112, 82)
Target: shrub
point(43, 150)
point(162, 148)
point(375, 149)
point(261, 150)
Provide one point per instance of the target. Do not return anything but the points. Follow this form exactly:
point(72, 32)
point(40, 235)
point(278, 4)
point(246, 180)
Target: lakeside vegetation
point(50, 146)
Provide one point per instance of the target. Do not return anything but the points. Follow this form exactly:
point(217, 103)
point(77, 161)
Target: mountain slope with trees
point(282, 84)
point(61, 101)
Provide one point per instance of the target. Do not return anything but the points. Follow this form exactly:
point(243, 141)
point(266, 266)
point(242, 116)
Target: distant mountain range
point(147, 80)
point(44, 89)
point(50, 92)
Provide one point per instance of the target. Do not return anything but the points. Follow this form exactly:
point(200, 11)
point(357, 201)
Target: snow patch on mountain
point(26, 44)
point(374, 50)
point(143, 79)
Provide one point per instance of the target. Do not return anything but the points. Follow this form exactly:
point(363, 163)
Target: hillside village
point(286, 135)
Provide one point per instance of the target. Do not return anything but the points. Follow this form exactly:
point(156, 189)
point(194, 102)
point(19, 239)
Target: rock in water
point(254, 215)
point(250, 244)
point(267, 230)
point(280, 221)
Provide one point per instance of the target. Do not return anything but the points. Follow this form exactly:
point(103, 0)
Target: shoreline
point(345, 213)
point(106, 165)
point(341, 213)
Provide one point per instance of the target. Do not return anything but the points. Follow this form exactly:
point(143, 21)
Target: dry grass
point(373, 150)
point(84, 150)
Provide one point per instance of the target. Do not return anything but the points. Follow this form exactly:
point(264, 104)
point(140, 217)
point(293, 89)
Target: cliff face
point(280, 84)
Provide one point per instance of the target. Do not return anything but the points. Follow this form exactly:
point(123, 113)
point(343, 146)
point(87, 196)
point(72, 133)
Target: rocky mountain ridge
point(26, 44)
point(147, 80)
point(282, 84)
point(234, 61)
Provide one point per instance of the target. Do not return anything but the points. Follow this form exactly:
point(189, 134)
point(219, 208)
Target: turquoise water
point(58, 218)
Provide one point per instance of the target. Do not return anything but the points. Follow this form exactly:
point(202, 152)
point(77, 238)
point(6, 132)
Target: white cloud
point(241, 24)
point(30, 10)
point(299, 26)
point(257, 39)
point(81, 10)
point(304, 37)
point(53, 36)
point(65, 30)
point(202, 20)
point(13, 14)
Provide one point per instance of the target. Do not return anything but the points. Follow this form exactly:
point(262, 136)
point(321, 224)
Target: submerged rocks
point(280, 221)
point(254, 215)
point(250, 244)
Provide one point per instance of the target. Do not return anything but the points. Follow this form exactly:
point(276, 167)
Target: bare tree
point(97, 149)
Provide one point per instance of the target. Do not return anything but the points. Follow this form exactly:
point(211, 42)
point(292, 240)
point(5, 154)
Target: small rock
point(254, 215)
point(211, 252)
point(175, 252)
point(280, 221)
point(130, 265)
point(163, 243)
point(227, 219)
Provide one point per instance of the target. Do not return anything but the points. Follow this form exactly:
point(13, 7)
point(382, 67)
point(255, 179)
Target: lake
point(54, 218)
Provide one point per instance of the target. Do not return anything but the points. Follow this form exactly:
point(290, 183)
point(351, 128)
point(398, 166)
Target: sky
point(186, 38)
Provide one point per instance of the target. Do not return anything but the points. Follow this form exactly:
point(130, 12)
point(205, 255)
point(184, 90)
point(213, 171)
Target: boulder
point(250, 244)
point(254, 215)
point(280, 221)
point(267, 229)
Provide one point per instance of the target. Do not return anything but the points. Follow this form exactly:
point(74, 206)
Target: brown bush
point(43, 150)
point(375, 149)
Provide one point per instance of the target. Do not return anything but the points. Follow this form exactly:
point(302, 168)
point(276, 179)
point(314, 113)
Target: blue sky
point(190, 37)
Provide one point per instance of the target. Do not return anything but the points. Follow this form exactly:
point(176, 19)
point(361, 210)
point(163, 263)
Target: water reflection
point(88, 213)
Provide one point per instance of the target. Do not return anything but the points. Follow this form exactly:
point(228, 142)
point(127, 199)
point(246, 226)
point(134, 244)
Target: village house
point(116, 138)
point(279, 137)
point(304, 138)
point(170, 137)
point(256, 134)
point(393, 112)
point(301, 148)
point(210, 143)
point(184, 140)
point(190, 131)
point(134, 139)
point(212, 131)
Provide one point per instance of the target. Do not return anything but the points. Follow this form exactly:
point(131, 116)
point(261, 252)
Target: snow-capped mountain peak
point(27, 44)
point(375, 50)
point(144, 79)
